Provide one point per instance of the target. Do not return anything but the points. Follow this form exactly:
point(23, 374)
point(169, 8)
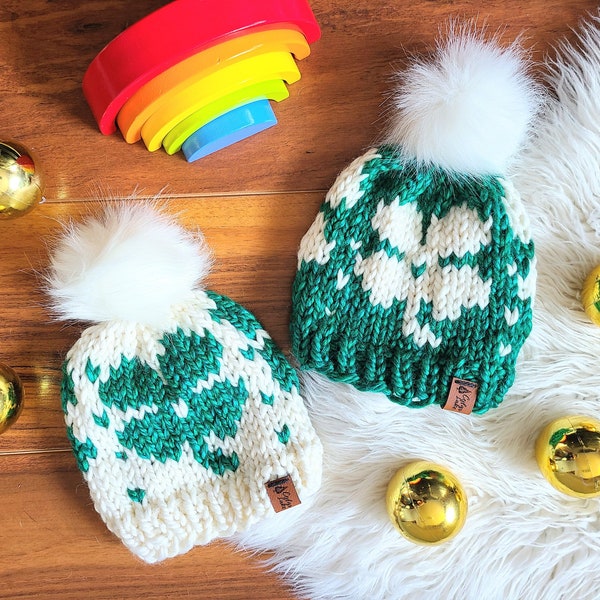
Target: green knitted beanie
point(416, 278)
point(184, 417)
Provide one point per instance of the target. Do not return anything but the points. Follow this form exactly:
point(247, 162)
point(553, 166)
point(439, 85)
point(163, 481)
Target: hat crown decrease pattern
point(410, 276)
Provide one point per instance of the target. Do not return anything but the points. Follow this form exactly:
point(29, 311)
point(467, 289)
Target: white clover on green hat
point(185, 418)
point(417, 277)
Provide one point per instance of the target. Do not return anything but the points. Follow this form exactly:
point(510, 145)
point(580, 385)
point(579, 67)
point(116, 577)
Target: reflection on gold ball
point(426, 503)
point(20, 181)
point(590, 296)
point(11, 397)
point(568, 454)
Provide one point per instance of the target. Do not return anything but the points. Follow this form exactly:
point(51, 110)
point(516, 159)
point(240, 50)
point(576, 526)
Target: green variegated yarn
point(178, 429)
point(410, 276)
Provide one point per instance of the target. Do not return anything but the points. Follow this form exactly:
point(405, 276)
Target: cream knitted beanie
point(184, 417)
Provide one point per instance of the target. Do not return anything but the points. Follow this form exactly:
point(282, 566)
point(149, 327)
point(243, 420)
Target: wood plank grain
point(54, 545)
point(253, 201)
point(334, 111)
point(253, 240)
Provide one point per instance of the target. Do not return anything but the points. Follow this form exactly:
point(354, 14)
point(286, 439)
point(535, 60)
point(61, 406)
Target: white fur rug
point(522, 538)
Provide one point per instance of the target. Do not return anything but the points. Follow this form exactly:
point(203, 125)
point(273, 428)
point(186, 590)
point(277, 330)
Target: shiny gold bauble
point(20, 181)
point(11, 397)
point(568, 454)
point(590, 295)
point(426, 503)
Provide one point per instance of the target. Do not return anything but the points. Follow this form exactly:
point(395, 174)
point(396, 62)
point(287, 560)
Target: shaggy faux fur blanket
point(522, 539)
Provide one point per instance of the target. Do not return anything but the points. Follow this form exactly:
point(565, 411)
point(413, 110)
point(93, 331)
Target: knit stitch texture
point(177, 430)
point(410, 276)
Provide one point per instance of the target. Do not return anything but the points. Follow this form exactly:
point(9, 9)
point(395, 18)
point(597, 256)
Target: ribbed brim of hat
point(203, 508)
point(371, 353)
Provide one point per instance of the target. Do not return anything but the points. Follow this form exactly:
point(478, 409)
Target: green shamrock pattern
point(160, 434)
point(155, 412)
point(411, 276)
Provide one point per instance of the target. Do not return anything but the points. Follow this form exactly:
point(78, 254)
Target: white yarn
point(523, 539)
point(184, 502)
point(172, 379)
point(132, 263)
point(467, 110)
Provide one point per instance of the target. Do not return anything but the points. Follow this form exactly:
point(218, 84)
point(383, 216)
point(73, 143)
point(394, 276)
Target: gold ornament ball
point(11, 397)
point(426, 503)
point(590, 296)
point(20, 181)
point(568, 454)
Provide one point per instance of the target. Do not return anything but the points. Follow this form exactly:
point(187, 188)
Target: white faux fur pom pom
point(469, 109)
point(133, 263)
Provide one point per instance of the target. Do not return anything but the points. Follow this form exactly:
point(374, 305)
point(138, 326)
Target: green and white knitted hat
point(417, 277)
point(184, 417)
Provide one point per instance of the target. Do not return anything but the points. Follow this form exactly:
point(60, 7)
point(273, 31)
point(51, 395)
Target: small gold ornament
point(590, 296)
point(426, 503)
point(568, 454)
point(20, 181)
point(11, 397)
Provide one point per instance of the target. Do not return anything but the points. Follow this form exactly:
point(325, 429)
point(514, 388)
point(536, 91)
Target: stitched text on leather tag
point(462, 396)
point(282, 493)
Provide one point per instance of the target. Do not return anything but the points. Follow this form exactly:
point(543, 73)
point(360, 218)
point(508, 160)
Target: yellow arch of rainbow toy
point(161, 89)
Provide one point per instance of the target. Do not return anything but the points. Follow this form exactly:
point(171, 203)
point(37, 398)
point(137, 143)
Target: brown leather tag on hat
point(462, 396)
point(282, 493)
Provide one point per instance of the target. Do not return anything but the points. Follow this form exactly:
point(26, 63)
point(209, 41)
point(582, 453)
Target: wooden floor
point(253, 201)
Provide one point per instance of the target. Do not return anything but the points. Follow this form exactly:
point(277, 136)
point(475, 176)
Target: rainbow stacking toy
point(197, 75)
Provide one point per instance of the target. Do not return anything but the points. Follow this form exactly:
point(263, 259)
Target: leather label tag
point(282, 493)
point(462, 396)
